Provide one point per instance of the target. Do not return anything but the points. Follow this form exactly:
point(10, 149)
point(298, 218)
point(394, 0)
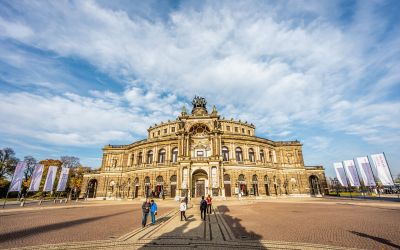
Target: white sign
point(382, 169)
point(62, 182)
point(341, 175)
point(366, 172)
point(36, 178)
point(351, 172)
point(51, 176)
point(16, 182)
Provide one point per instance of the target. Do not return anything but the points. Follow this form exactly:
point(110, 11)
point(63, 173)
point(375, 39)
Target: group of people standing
point(150, 207)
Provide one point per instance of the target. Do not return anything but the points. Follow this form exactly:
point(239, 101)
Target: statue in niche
point(181, 124)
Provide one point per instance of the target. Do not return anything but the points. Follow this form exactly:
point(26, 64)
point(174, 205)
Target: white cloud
point(262, 64)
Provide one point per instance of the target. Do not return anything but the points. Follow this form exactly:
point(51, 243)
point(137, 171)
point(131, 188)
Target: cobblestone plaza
point(251, 224)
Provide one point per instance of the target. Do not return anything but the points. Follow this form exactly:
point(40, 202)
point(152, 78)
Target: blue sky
point(76, 75)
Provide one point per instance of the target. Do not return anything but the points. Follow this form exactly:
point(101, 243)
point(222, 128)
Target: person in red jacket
point(209, 203)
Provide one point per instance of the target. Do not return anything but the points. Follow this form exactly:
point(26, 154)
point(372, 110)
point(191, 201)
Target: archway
point(159, 189)
point(315, 188)
point(92, 188)
point(255, 185)
point(173, 185)
point(227, 185)
point(147, 187)
point(242, 185)
point(266, 184)
point(136, 187)
point(199, 183)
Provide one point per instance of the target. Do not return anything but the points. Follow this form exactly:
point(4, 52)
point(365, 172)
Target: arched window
point(266, 179)
point(262, 157)
point(147, 180)
point(140, 158)
point(251, 155)
point(150, 157)
point(225, 154)
point(132, 160)
point(241, 178)
point(136, 182)
point(174, 154)
point(239, 154)
point(271, 156)
point(161, 156)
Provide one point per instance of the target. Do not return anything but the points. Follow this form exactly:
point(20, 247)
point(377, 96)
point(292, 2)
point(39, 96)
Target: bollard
point(22, 203)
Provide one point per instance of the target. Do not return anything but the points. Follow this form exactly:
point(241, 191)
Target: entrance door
point(200, 188)
point(243, 189)
point(267, 189)
point(173, 190)
point(136, 191)
point(227, 190)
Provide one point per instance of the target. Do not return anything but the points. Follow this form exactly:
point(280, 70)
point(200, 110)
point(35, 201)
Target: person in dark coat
point(145, 211)
point(203, 208)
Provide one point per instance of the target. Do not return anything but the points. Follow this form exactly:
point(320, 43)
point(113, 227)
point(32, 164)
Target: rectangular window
point(200, 153)
point(243, 130)
point(158, 132)
point(165, 131)
point(154, 134)
point(248, 132)
point(173, 129)
point(228, 128)
point(236, 129)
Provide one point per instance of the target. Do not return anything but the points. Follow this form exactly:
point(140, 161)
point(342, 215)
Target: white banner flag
point(351, 172)
point(36, 178)
point(341, 175)
point(51, 176)
point(382, 169)
point(366, 172)
point(62, 182)
point(16, 182)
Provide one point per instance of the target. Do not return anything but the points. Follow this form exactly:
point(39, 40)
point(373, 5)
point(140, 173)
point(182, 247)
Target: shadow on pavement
point(194, 233)
point(378, 239)
point(46, 228)
point(239, 231)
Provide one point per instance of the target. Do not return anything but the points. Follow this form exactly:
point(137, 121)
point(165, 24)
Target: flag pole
point(358, 176)
point(347, 180)
point(5, 200)
point(373, 175)
point(394, 185)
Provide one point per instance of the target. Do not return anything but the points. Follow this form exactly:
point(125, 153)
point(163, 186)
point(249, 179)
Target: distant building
point(201, 153)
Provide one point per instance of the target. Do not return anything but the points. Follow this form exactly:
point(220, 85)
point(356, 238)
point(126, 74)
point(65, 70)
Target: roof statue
point(199, 106)
point(199, 102)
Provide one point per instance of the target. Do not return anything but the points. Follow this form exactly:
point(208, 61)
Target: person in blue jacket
point(153, 212)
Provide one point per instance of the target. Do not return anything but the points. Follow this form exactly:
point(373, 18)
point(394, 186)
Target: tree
point(30, 163)
point(70, 161)
point(8, 162)
point(76, 178)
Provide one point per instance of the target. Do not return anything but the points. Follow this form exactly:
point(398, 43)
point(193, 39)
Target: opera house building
point(201, 153)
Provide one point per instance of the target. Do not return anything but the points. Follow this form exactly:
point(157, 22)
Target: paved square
point(250, 224)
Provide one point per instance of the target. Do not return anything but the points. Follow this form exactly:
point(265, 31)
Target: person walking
point(203, 208)
point(182, 208)
point(145, 211)
point(153, 212)
point(209, 204)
